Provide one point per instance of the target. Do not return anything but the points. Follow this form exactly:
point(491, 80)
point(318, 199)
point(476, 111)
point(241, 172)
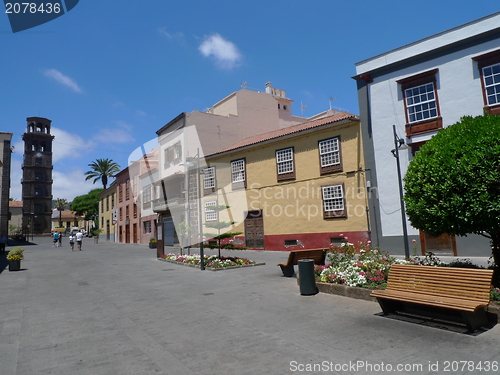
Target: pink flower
point(368, 242)
point(413, 241)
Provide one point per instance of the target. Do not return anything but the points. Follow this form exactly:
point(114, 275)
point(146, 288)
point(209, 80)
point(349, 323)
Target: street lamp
point(198, 185)
point(398, 144)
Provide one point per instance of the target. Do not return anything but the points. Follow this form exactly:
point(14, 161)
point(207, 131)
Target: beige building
point(303, 186)
point(184, 140)
point(108, 213)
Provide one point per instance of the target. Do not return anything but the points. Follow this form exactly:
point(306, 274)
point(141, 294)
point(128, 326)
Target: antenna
point(331, 100)
point(244, 86)
point(302, 107)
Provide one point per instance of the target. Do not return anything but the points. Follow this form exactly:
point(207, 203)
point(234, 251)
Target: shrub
point(16, 253)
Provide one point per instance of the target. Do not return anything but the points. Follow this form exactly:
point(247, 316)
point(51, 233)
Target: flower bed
point(212, 262)
point(363, 267)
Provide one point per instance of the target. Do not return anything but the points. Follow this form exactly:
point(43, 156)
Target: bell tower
point(37, 176)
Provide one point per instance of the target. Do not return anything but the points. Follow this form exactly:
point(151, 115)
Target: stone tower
point(37, 176)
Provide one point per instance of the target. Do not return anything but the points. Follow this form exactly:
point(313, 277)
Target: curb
point(210, 268)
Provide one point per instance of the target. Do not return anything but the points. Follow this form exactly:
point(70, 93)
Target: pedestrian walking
point(60, 239)
point(72, 242)
point(55, 236)
point(79, 238)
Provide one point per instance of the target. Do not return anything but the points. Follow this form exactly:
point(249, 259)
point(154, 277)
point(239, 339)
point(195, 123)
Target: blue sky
point(109, 74)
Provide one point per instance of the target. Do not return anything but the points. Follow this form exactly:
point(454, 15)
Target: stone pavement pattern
point(115, 309)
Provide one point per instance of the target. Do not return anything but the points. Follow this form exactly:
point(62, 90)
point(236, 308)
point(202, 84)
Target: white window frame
point(421, 100)
point(329, 155)
point(491, 77)
point(146, 194)
point(333, 198)
point(209, 178)
point(210, 215)
point(284, 160)
point(238, 170)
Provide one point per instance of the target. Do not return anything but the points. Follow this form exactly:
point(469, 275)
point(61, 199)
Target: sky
point(109, 74)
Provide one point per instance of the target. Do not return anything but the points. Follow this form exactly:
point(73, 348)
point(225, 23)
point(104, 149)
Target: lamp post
point(398, 143)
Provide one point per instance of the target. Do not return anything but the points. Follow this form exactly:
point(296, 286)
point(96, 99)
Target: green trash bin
point(306, 277)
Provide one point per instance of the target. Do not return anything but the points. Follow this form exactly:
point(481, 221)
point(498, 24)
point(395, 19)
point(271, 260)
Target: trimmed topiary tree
point(453, 184)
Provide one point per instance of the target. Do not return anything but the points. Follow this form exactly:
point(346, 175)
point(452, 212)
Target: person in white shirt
point(72, 242)
point(79, 238)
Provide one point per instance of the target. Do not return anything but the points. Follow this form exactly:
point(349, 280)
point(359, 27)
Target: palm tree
point(60, 203)
point(102, 169)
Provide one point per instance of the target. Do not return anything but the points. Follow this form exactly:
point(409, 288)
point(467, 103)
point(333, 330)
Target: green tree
point(101, 169)
point(453, 183)
point(219, 225)
point(60, 204)
point(87, 206)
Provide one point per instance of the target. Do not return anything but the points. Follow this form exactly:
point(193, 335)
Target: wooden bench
point(318, 255)
point(450, 293)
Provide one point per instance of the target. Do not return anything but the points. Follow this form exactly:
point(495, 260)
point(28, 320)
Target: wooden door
point(254, 230)
point(444, 244)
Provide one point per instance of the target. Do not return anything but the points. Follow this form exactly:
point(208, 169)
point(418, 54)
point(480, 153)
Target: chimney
point(268, 88)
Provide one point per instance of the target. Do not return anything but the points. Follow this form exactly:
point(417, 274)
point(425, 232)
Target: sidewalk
point(115, 309)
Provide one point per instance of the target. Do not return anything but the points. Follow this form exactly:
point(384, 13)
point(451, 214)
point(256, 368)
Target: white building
point(421, 88)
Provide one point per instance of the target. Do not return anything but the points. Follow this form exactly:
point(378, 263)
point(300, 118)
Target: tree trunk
point(495, 248)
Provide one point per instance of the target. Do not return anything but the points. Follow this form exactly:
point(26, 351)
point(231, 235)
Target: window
point(135, 210)
point(178, 150)
point(209, 180)
point(38, 161)
point(285, 164)
point(38, 191)
point(147, 227)
point(489, 70)
point(238, 173)
point(120, 193)
point(210, 214)
point(107, 203)
point(421, 103)
point(333, 201)
point(127, 190)
point(121, 213)
point(491, 76)
point(146, 196)
point(112, 200)
point(39, 176)
point(329, 155)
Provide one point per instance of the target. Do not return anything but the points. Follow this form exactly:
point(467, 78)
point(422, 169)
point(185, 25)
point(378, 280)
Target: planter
point(152, 245)
point(14, 265)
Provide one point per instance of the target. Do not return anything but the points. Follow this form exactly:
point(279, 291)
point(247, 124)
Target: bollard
point(306, 277)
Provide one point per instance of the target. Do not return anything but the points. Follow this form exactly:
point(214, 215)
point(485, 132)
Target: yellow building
point(303, 186)
point(107, 213)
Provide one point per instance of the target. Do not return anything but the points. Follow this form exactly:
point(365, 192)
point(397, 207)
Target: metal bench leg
point(288, 271)
point(389, 306)
point(475, 320)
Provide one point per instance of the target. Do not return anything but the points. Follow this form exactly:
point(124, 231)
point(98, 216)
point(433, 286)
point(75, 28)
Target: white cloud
point(119, 134)
point(68, 145)
point(176, 37)
point(225, 53)
point(70, 185)
point(63, 80)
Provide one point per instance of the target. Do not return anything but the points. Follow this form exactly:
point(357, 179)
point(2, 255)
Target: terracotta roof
point(337, 118)
point(15, 203)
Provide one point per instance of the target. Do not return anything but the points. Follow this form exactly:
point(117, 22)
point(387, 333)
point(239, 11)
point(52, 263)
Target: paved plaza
point(115, 309)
